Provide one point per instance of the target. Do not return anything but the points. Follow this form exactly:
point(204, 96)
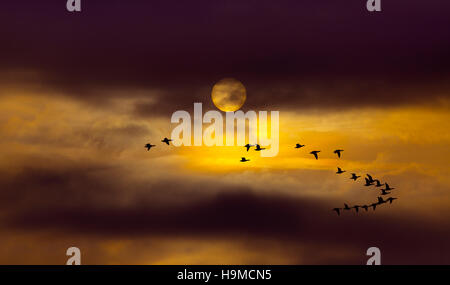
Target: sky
point(82, 93)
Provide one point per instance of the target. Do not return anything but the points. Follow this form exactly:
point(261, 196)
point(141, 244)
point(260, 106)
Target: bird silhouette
point(248, 146)
point(365, 207)
point(370, 178)
point(149, 146)
point(354, 176)
point(166, 140)
point(384, 192)
point(378, 183)
point(299, 145)
point(356, 207)
point(258, 148)
point(346, 207)
point(381, 201)
point(315, 152)
point(390, 199)
point(243, 159)
point(388, 188)
point(337, 210)
point(338, 152)
point(368, 183)
point(340, 171)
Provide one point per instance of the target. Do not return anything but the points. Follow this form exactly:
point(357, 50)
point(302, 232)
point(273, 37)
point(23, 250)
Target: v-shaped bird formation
point(369, 180)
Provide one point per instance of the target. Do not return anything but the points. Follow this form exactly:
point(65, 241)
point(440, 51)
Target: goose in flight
point(315, 152)
point(299, 145)
point(258, 148)
point(337, 210)
point(340, 171)
point(378, 183)
point(248, 146)
point(149, 146)
point(346, 207)
point(166, 140)
point(384, 192)
point(338, 152)
point(354, 176)
point(388, 188)
point(243, 159)
point(370, 178)
point(368, 183)
point(390, 199)
point(381, 201)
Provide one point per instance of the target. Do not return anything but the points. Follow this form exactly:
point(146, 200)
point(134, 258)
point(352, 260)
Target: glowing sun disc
point(229, 95)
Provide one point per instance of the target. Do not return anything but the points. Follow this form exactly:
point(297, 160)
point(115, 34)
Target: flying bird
point(378, 183)
point(384, 192)
point(354, 176)
point(338, 152)
point(370, 178)
point(258, 148)
point(340, 171)
point(299, 145)
point(388, 188)
point(338, 211)
point(166, 140)
point(346, 207)
point(315, 152)
point(390, 199)
point(149, 146)
point(368, 183)
point(243, 159)
point(381, 201)
point(248, 146)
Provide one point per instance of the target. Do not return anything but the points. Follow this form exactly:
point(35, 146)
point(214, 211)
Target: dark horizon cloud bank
point(73, 206)
point(307, 54)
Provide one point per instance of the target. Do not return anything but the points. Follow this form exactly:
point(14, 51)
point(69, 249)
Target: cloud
point(288, 54)
point(80, 202)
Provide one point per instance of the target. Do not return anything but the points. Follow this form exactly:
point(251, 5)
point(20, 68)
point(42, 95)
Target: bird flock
point(369, 180)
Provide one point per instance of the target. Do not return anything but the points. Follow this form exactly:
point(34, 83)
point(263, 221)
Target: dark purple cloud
point(70, 202)
point(281, 47)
